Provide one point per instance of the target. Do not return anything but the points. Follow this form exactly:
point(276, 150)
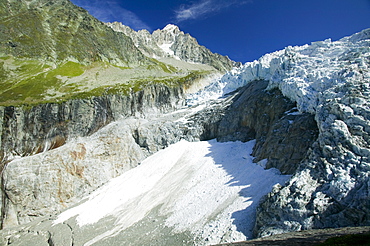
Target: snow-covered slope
point(206, 192)
point(199, 193)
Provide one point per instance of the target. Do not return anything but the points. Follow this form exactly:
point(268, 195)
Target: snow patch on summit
point(171, 27)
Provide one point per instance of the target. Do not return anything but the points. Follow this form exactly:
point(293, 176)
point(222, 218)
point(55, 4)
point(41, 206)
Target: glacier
point(308, 74)
point(331, 81)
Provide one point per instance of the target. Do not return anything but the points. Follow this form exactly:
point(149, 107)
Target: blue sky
point(244, 30)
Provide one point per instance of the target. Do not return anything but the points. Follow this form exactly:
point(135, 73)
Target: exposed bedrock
point(47, 183)
point(27, 131)
point(283, 135)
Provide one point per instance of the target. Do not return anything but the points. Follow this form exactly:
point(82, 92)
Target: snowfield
point(208, 190)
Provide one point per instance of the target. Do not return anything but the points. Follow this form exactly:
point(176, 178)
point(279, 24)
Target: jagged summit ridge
point(171, 27)
point(172, 42)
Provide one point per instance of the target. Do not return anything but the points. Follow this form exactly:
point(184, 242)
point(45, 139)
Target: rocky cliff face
point(171, 42)
point(48, 126)
point(27, 131)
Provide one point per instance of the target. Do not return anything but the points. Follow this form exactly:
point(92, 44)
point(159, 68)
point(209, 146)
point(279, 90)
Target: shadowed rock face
point(283, 135)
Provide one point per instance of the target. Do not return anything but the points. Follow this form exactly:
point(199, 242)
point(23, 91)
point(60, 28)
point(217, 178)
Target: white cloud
point(203, 8)
point(109, 11)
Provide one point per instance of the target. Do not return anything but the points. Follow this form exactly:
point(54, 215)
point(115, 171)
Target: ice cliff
point(310, 74)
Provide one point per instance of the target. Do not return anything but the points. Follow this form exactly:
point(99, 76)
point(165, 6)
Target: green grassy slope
point(53, 51)
point(30, 82)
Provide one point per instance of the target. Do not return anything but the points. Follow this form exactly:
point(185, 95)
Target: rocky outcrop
point(27, 131)
point(346, 236)
point(171, 42)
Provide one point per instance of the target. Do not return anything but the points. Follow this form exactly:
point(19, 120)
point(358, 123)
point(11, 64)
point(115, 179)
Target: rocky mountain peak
point(167, 35)
point(171, 28)
point(171, 42)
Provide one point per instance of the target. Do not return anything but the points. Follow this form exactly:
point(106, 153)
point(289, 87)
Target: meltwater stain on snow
point(189, 193)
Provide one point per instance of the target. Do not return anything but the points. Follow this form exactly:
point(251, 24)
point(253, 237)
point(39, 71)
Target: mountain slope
point(72, 122)
point(61, 68)
point(54, 51)
point(329, 168)
point(170, 42)
point(58, 30)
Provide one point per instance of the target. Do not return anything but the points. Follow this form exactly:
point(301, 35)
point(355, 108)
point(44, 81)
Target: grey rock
point(171, 42)
point(48, 182)
point(48, 126)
